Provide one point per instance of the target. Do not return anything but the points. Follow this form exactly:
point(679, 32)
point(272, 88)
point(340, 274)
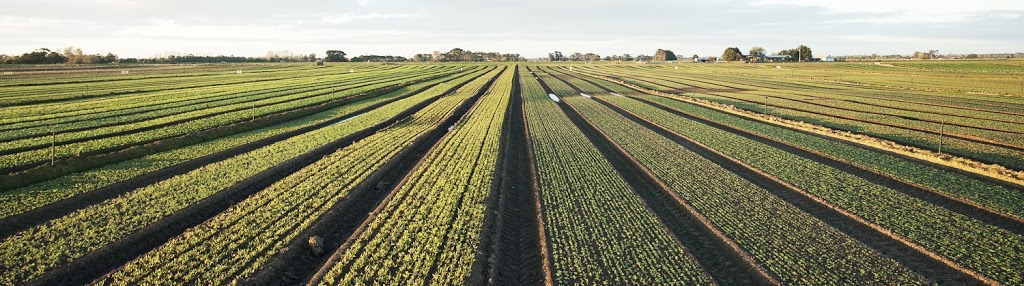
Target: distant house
point(828, 59)
point(700, 60)
point(776, 58)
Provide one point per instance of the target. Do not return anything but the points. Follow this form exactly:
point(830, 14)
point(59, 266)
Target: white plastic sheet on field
point(616, 94)
point(586, 95)
point(554, 97)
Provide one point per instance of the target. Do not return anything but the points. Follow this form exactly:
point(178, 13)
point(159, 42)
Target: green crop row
point(32, 252)
point(796, 247)
point(236, 243)
point(599, 231)
point(194, 101)
point(990, 250)
point(435, 218)
point(275, 105)
point(23, 199)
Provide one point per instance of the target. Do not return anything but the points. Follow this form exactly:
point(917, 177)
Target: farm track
point(111, 256)
point(37, 172)
point(911, 255)
point(965, 207)
point(184, 120)
point(297, 265)
point(513, 253)
point(717, 255)
point(17, 223)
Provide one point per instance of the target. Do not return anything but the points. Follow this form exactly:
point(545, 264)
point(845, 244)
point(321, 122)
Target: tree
point(804, 53)
point(664, 55)
point(627, 57)
point(732, 54)
point(556, 56)
point(335, 56)
point(311, 57)
point(757, 52)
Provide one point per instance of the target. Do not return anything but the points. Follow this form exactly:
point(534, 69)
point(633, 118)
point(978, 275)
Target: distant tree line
point(758, 54)
point(70, 55)
point(460, 55)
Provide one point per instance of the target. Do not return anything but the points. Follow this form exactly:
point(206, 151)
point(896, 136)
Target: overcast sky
point(137, 28)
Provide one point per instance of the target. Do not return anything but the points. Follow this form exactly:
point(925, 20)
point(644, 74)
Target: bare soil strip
point(511, 251)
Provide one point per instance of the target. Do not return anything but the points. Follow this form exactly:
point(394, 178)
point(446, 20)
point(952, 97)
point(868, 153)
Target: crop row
point(823, 116)
point(32, 252)
point(990, 195)
point(63, 92)
point(236, 243)
point(94, 125)
point(429, 231)
point(23, 199)
point(97, 106)
point(992, 251)
point(796, 247)
point(112, 112)
point(260, 100)
point(599, 231)
point(271, 106)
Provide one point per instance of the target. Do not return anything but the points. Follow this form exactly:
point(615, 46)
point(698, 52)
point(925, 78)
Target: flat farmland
point(530, 173)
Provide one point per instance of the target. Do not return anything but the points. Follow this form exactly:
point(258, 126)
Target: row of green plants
point(23, 199)
point(897, 99)
point(130, 108)
point(429, 231)
point(237, 242)
point(990, 250)
point(981, 151)
point(992, 196)
point(598, 230)
point(796, 247)
point(45, 247)
point(114, 118)
point(264, 107)
point(22, 95)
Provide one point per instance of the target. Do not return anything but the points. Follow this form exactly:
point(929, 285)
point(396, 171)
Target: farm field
point(532, 173)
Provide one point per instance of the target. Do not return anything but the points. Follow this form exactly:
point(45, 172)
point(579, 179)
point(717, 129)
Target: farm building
point(828, 59)
point(776, 58)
